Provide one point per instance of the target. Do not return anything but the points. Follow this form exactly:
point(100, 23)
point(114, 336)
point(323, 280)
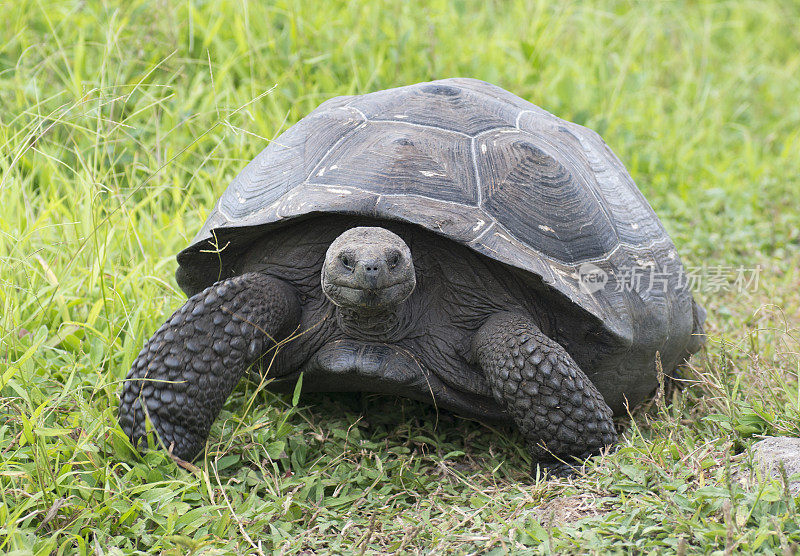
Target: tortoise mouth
point(354, 297)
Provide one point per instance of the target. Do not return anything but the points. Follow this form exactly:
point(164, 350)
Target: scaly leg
point(192, 363)
point(553, 403)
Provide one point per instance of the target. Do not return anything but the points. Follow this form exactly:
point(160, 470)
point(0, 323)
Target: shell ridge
point(418, 125)
point(474, 156)
point(349, 107)
point(519, 115)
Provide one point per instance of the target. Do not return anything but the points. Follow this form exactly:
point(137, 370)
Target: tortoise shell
point(482, 167)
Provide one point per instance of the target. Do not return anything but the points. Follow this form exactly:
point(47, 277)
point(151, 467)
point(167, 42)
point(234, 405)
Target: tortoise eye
point(347, 262)
point(393, 259)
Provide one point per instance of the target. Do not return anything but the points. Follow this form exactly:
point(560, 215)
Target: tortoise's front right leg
point(191, 364)
point(556, 407)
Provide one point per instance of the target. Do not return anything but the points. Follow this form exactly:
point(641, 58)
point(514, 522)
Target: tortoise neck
point(381, 325)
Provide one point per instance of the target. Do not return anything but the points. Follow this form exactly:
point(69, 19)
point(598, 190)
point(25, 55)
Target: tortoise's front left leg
point(191, 364)
point(557, 408)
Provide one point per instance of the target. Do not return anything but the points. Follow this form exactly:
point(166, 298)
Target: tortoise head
point(368, 270)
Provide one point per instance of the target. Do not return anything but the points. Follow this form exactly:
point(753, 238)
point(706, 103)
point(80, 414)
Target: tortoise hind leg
point(553, 403)
point(184, 374)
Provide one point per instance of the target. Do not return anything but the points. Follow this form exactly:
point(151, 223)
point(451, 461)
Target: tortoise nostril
point(372, 268)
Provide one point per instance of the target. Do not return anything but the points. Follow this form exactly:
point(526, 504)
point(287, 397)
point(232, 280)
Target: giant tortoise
point(445, 241)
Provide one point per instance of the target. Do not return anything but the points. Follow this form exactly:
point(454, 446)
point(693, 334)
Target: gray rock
point(769, 454)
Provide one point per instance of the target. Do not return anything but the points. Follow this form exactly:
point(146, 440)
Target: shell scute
point(400, 160)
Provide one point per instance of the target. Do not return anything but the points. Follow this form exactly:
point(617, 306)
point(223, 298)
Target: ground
point(122, 122)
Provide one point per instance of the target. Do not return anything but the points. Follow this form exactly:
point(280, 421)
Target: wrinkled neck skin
point(388, 324)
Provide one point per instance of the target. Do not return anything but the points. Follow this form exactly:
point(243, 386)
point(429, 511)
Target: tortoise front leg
point(189, 367)
point(553, 403)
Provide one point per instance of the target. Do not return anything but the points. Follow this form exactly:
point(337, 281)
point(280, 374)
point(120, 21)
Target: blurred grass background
point(120, 124)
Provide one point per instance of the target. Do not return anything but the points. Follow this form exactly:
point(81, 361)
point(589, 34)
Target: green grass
point(121, 124)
